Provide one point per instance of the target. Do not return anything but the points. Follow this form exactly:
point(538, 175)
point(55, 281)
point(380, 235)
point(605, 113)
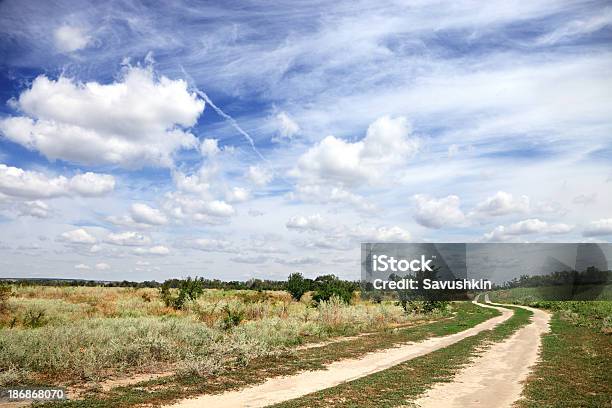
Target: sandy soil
point(280, 389)
point(495, 378)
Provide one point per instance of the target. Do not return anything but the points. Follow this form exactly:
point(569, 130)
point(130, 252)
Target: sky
point(238, 140)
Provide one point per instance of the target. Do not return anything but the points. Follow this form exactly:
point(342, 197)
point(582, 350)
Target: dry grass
point(77, 334)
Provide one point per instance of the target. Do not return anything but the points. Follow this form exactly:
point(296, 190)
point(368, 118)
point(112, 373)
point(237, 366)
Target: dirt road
point(280, 389)
point(495, 378)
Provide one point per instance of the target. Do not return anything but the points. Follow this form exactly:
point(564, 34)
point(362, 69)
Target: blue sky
point(237, 140)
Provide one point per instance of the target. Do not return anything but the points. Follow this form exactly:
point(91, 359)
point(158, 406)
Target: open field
point(58, 335)
point(125, 347)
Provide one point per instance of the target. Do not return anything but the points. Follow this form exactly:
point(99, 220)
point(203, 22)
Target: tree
point(296, 285)
point(329, 285)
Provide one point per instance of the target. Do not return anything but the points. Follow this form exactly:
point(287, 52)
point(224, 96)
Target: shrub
point(189, 290)
point(296, 286)
point(232, 317)
point(5, 294)
point(328, 286)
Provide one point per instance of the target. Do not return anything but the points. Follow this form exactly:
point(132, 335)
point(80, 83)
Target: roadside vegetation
point(58, 335)
point(576, 359)
point(403, 383)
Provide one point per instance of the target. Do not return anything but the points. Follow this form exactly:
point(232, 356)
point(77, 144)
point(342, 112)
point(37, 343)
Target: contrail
point(225, 116)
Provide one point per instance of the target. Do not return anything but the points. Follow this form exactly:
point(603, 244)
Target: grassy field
point(57, 335)
point(228, 339)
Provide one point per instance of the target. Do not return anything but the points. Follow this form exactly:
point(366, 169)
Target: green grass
point(400, 384)
point(167, 390)
point(576, 368)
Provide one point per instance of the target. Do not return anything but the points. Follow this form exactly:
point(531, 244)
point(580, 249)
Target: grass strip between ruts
point(399, 385)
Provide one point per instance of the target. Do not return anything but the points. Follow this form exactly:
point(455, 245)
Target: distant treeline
point(252, 284)
point(590, 276)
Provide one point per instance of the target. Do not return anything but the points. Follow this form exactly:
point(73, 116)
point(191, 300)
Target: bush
point(189, 290)
point(5, 294)
point(328, 286)
point(296, 286)
point(232, 317)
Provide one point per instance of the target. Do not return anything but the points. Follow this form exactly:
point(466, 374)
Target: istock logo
point(384, 263)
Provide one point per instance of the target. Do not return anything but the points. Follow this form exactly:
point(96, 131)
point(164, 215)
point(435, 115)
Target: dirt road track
point(279, 389)
point(495, 378)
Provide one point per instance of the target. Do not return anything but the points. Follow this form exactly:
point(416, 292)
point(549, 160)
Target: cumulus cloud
point(503, 203)
point(307, 223)
point(82, 267)
point(102, 266)
point(158, 250)
point(387, 144)
point(237, 195)
point(213, 245)
point(259, 176)
point(68, 38)
point(128, 238)
point(139, 120)
point(437, 213)
point(525, 227)
point(21, 183)
point(77, 236)
point(91, 184)
point(599, 228)
point(380, 234)
point(35, 208)
point(285, 127)
point(181, 206)
point(209, 147)
point(143, 214)
point(324, 194)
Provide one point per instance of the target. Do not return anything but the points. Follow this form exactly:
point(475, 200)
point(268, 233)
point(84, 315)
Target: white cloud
point(102, 266)
point(213, 245)
point(91, 184)
point(159, 250)
point(387, 144)
point(69, 39)
point(380, 234)
point(526, 227)
point(136, 121)
point(249, 259)
point(579, 27)
point(599, 228)
point(182, 206)
point(307, 223)
point(328, 194)
point(585, 199)
point(438, 213)
point(237, 195)
point(78, 236)
point(143, 214)
point(285, 127)
point(128, 238)
point(82, 267)
point(209, 147)
point(503, 203)
point(453, 150)
point(35, 208)
point(20, 183)
point(259, 176)
point(304, 260)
